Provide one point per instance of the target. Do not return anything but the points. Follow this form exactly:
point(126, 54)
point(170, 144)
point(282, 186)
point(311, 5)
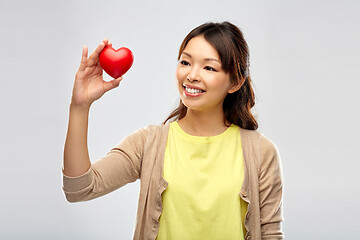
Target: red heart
point(116, 62)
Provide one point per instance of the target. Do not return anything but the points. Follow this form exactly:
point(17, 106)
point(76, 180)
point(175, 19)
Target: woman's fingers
point(105, 41)
point(94, 57)
point(83, 58)
point(112, 84)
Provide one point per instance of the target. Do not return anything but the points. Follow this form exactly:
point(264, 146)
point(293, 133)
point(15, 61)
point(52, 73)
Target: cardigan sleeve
point(118, 167)
point(270, 191)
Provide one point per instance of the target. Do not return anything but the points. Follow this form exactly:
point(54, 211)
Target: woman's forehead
point(198, 47)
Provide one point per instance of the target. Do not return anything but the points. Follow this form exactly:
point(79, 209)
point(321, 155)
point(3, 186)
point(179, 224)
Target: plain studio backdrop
point(305, 68)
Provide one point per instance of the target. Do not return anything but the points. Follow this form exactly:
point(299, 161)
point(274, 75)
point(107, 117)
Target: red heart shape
point(116, 62)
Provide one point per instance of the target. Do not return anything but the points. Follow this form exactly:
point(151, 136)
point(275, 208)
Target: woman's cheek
point(178, 74)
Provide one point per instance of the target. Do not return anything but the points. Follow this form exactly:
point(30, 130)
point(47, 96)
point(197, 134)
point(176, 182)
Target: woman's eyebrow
point(206, 59)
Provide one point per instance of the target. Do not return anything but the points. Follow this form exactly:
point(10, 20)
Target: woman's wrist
point(81, 108)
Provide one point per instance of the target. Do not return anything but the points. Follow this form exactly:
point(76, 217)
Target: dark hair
point(233, 50)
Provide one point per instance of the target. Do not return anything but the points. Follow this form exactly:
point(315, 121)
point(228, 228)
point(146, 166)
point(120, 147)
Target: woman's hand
point(89, 83)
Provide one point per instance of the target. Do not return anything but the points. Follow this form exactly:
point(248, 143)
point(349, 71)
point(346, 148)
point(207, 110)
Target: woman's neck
point(208, 124)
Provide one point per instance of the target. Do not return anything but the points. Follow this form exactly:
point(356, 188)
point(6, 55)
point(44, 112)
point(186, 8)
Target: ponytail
point(237, 106)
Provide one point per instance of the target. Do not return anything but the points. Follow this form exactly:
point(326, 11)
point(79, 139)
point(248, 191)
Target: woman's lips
point(189, 94)
point(193, 87)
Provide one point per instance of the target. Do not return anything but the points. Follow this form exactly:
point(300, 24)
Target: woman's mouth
point(193, 92)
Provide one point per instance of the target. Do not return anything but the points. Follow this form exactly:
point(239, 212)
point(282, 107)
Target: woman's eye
point(183, 62)
point(210, 68)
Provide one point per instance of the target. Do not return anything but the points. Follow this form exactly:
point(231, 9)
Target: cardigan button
point(248, 238)
point(247, 215)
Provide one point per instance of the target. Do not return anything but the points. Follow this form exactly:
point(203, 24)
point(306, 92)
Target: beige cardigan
point(141, 156)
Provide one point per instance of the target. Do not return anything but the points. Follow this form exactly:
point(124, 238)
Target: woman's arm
point(76, 156)
point(83, 180)
point(89, 86)
point(120, 166)
point(271, 190)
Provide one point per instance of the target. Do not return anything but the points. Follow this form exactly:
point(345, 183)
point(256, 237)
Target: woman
point(208, 174)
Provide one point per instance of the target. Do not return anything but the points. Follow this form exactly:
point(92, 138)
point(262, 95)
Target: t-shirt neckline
point(203, 139)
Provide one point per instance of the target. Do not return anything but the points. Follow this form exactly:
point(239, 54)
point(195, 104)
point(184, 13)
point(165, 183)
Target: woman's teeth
point(192, 90)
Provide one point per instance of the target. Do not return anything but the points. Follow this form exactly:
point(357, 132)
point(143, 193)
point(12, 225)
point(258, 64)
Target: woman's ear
point(237, 85)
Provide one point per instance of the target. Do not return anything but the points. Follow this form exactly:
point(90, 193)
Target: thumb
point(112, 84)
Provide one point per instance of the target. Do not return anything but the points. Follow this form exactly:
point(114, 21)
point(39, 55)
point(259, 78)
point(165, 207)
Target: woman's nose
point(193, 75)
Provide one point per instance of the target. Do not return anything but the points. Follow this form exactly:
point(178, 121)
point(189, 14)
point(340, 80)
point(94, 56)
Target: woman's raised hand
point(89, 83)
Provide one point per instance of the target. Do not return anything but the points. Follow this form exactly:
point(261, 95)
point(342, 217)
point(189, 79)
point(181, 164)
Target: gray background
point(304, 64)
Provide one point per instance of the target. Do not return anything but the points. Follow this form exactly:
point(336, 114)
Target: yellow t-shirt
point(205, 175)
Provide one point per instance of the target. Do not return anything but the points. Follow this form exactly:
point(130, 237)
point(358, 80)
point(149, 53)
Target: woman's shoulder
point(151, 131)
point(150, 134)
point(257, 137)
point(154, 129)
point(262, 144)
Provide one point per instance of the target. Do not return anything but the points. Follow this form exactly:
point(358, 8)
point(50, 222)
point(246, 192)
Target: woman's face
point(202, 82)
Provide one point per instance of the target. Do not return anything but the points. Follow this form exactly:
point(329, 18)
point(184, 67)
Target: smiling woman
point(199, 68)
point(229, 56)
point(208, 174)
